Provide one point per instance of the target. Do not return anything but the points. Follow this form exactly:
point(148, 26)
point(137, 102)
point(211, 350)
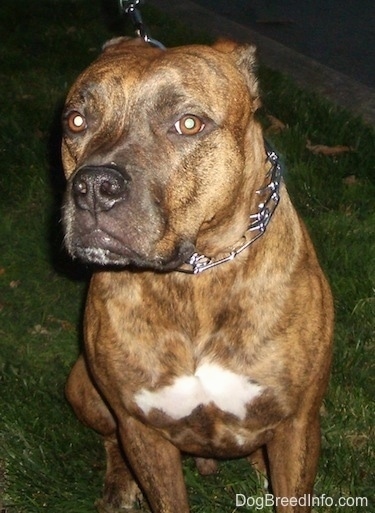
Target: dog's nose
point(99, 188)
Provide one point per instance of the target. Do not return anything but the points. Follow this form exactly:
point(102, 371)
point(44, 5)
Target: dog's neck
point(258, 222)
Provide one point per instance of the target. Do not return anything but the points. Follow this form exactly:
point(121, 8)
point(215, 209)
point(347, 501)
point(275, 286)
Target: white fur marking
point(240, 440)
point(211, 383)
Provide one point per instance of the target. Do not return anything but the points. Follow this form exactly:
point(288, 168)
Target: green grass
point(48, 461)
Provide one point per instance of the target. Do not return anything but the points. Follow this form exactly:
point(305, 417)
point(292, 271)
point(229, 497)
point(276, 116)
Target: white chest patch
point(211, 383)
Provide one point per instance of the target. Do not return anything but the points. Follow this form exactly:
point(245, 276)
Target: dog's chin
point(125, 257)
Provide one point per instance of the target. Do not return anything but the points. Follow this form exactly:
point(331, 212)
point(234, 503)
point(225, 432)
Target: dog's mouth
point(103, 249)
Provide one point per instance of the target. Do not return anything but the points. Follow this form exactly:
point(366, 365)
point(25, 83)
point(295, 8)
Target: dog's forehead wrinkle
point(169, 102)
point(192, 72)
point(202, 57)
point(109, 79)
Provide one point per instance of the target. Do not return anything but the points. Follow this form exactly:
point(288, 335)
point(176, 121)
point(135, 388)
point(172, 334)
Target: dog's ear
point(244, 56)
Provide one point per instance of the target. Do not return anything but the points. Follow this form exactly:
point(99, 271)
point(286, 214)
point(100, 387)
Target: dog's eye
point(189, 125)
point(76, 122)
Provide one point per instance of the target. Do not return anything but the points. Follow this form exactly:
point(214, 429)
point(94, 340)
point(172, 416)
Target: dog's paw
point(116, 500)
point(102, 506)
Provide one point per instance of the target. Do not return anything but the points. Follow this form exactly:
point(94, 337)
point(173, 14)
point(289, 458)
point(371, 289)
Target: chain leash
point(130, 8)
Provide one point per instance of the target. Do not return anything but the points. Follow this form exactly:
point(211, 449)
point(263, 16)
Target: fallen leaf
point(350, 180)
point(358, 439)
point(321, 149)
point(14, 284)
point(64, 325)
point(276, 124)
point(2, 271)
point(39, 134)
point(38, 329)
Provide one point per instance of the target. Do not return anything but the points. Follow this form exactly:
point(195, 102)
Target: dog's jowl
point(208, 320)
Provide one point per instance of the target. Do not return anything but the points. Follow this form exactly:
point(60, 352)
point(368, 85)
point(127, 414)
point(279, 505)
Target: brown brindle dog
point(165, 163)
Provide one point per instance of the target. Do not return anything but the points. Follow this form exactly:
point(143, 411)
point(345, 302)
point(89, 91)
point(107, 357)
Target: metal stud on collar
point(130, 7)
point(198, 263)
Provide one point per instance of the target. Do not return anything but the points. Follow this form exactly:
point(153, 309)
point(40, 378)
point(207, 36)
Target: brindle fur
point(266, 315)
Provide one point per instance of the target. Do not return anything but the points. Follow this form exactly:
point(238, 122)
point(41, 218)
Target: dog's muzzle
point(105, 225)
point(99, 188)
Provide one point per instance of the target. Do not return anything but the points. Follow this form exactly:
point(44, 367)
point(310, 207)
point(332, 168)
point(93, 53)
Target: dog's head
point(156, 151)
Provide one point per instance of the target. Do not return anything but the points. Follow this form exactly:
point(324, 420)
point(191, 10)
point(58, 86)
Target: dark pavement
point(324, 45)
point(338, 34)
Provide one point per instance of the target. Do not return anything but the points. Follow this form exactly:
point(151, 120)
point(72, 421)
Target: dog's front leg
point(157, 465)
point(120, 489)
point(293, 458)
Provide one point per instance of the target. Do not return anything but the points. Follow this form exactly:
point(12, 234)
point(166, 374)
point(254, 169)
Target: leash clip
point(130, 7)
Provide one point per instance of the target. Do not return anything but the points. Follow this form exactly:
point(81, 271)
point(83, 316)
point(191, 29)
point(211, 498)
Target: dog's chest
point(214, 411)
point(210, 384)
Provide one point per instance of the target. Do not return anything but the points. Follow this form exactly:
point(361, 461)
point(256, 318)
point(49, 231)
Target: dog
point(208, 322)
